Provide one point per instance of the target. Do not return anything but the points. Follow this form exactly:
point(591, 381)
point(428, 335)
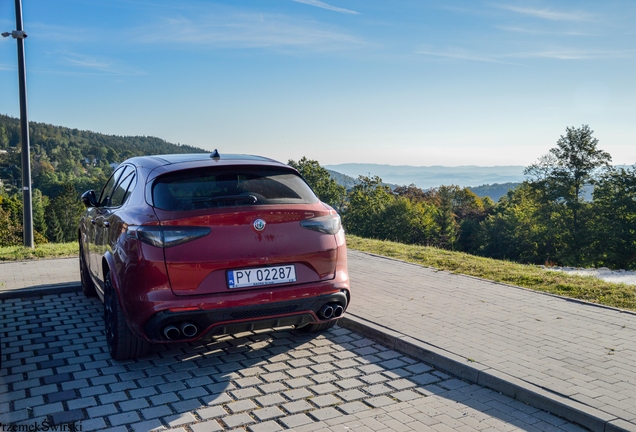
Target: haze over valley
point(426, 177)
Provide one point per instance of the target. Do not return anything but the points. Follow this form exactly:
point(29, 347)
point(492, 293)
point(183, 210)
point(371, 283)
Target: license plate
point(261, 276)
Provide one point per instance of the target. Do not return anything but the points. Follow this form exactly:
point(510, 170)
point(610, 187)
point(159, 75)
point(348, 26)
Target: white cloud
point(548, 14)
point(61, 34)
point(102, 65)
point(90, 63)
point(556, 54)
point(244, 30)
point(567, 54)
point(459, 54)
point(526, 30)
point(323, 5)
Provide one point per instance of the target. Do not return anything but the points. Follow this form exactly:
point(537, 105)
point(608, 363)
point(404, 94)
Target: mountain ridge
point(426, 177)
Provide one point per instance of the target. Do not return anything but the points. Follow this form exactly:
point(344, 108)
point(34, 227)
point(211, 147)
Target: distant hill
point(487, 179)
point(50, 140)
point(62, 155)
point(426, 177)
point(349, 182)
point(342, 179)
point(494, 191)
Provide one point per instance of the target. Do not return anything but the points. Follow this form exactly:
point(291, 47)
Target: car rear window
point(211, 188)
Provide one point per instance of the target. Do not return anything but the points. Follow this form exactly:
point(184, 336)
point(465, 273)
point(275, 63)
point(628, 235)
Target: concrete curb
point(576, 412)
point(40, 290)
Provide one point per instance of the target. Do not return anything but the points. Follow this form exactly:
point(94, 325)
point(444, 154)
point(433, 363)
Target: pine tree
point(55, 232)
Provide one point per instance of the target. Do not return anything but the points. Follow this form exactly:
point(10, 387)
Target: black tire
point(122, 343)
point(311, 328)
point(88, 287)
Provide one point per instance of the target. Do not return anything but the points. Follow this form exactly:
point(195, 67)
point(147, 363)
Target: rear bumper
point(212, 322)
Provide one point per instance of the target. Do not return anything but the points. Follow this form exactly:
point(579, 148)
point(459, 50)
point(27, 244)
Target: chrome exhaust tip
point(338, 311)
point(171, 332)
point(188, 329)
point(326, 311)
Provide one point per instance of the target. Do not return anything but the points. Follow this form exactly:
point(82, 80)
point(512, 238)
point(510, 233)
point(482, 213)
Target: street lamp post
point(27, 205)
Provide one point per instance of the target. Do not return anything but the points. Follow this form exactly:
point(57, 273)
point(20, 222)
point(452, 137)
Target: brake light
point(165, 237)
point(329, 224)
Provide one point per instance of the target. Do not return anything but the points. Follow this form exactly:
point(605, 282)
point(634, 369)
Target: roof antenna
point(215, 154)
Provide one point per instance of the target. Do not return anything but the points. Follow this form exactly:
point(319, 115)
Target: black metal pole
point(27, 205)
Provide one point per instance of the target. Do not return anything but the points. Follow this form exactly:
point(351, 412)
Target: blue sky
point(410, 82)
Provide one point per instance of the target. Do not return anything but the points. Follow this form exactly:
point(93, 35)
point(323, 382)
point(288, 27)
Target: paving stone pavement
point(582, 352)
point(56, 369)
point(46, 276)
point(579, 352)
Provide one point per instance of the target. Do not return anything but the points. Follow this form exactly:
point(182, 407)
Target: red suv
point(182, 247)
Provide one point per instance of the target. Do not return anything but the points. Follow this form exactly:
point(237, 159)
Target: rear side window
point(240, 186)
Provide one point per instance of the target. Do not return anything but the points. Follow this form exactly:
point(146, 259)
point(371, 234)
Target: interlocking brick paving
point(583, 352)
point(56, 368)
point(35, 273)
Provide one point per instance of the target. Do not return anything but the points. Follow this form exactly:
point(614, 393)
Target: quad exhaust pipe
point(337, 311)
point(326, 311)
point(171, 332)
point(184, 330)
point(331, 310)
point(188, 329)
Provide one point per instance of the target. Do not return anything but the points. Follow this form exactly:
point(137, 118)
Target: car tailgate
point(200, 266)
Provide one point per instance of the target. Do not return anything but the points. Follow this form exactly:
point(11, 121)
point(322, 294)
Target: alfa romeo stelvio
point(184, 247)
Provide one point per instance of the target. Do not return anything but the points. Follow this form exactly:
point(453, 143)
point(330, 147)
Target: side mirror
point(89, 199)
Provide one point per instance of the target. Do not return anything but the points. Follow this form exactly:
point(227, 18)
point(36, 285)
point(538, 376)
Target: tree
point(39, 203)
point(327, 189)
point(614, 220)
point(470, 211)
point(407, 221)
point(561, 177)
point(367, 203)
point(63, 216)
point(412, 192)
point(12, 205)
point(54, 230)
point(9, 232)
point(572, 164)
point(446, 219)
point(459, 212)
point(522, 228)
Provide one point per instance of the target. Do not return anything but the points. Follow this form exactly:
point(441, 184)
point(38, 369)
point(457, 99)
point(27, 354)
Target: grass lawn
point(47, 250)
point(528, 276)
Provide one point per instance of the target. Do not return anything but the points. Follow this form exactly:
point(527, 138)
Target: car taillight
point(329, 224)
point(165, 237)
